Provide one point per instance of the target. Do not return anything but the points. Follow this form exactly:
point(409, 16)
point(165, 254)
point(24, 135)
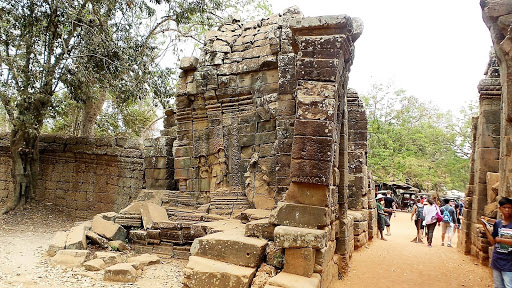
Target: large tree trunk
point(91, 111)
point(25, 167)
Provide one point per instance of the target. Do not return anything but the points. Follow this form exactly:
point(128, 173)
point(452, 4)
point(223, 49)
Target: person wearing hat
point(381, 216)
point(501, 238)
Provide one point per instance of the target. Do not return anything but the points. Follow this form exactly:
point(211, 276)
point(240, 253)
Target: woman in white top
point(429, 211)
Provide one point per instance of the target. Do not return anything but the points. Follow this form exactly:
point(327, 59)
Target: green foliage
point(415, 142)
point(127, 119)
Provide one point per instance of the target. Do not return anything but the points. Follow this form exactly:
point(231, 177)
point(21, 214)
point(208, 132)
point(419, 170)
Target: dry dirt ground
point(401, 263)
point(24, 236)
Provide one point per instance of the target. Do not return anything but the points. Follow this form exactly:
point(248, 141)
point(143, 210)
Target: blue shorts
point(502, 279)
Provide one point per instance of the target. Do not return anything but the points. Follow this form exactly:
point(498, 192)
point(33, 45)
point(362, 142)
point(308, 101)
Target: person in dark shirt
point(501, 262)
point(389, 206)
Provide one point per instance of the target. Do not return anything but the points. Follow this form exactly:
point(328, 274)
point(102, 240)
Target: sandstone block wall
point(484, 164)
point(83, 175)
point(262, 119)
point(496, 14)
point(359, 189)
point(159, 157)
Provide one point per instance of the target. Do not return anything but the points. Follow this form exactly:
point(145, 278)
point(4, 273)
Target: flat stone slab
point(108, 229)
point(110, 258)
point(231, 247)
point(76, 238)
point(151, 214)
point(205, 228)
point(58, 242)
point(287, 280)
point(118, 245)
point(70, 258)
point(204, 273)
point(143, 260)
point(95, 265)
point(254, 214)
point(299, 215)
point(122, 272)
point(96, 239)
point(294, 237)
point(260, 229)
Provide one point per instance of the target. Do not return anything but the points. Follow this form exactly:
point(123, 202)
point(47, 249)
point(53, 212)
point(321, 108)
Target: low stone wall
point(84, 175)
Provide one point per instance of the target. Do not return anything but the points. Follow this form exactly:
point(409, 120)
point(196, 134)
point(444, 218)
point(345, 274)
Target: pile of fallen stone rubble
point(111, 240)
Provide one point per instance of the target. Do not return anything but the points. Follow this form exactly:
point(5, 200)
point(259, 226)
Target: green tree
point(415, 142)
point(94, 48)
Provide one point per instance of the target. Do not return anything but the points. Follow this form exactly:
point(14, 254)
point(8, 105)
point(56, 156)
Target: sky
point(436, 50)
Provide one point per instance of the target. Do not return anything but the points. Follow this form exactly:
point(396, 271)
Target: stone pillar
point(496, 14)
point(357, 167)
point(464, 241)
point(485, 164)
point(159, 158)
point(323, 53)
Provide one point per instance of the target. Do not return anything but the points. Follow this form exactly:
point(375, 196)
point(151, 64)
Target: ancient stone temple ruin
point(491, 157)
point(483, 182)
point(260, 176)
point(262, 123)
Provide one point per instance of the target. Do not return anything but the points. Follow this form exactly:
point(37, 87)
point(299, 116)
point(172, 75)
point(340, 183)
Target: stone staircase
point(231, 259)
point(224, 259)
point(229, 205)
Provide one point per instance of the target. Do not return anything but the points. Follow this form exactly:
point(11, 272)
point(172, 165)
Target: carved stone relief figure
point(204, 174)
point(257, 188)
point(219, 171)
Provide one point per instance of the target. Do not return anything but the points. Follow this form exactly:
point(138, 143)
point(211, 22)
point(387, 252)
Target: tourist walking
point(429, 212)
point(457, 219)
point(381, 216)
point(418, 218)
point(501, 262)
point(448, 222)
point(389, 207)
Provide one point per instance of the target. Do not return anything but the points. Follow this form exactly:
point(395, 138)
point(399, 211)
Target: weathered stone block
point(288, 280)
point(299, 215)
point(110, 258)
point(189, 63)
point(70, 258)
point(141, 261)
point(309, 194)
point(231, 247)
point(310, 171)
point(94, 265)
point(76, 238)
point(314, 128)
point(138, 237)
point(313, 148)
point(96, 239)
point(316, 108)
point(249, 215)
point(122, 272)
point(58, 242)
point(260, 229)
point(107, 229)
point(294, 237)
point(202, 272)
point(299, 261)
point(152, 214)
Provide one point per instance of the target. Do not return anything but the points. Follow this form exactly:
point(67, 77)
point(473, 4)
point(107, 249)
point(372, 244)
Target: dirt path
point(401, 263)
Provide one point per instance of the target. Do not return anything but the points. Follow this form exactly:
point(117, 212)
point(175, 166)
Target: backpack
point(447, 217)
point(419, 212)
